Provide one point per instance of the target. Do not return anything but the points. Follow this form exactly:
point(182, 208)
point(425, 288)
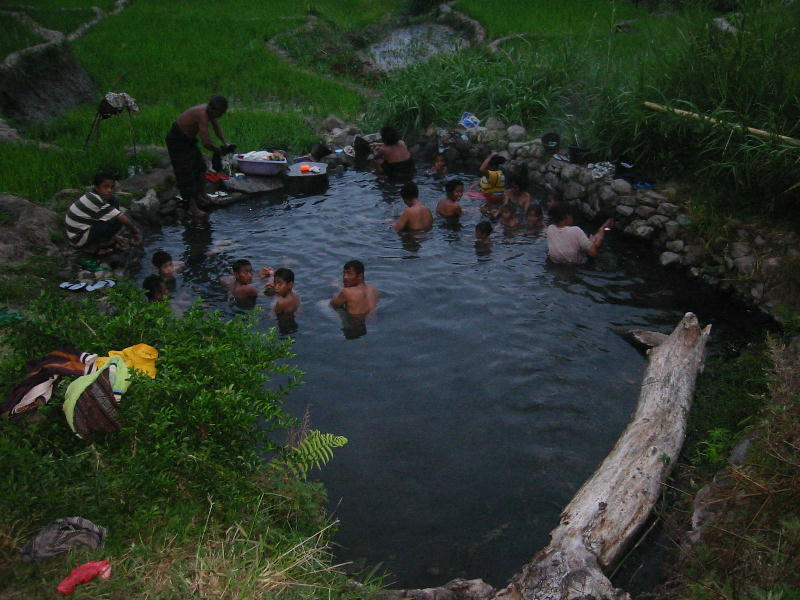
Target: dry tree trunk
point(606, 514)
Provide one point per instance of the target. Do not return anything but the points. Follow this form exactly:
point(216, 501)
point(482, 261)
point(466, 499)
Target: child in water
point(533, 218)
point(493, 182)
point(508, 219)
point(449, 206)
point(283, 284)
point(240, 284)
point(166, 268)
point(439, 167)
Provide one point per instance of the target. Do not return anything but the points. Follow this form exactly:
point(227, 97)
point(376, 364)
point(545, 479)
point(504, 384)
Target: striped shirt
point(85, 212)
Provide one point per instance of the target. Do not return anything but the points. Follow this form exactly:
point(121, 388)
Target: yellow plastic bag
point(140, 357)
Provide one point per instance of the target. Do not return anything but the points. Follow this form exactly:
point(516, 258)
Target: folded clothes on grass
point(62, 535)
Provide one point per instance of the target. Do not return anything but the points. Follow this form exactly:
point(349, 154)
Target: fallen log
point(609, 510)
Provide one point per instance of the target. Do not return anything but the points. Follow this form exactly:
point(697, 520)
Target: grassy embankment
point(191, 507)
point(574, 74)
point(171, 56)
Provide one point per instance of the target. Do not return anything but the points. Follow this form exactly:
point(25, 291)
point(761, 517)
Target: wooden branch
point(756, 132)
point(603, 518)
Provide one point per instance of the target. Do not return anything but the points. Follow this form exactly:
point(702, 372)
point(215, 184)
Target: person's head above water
point(162, 261)
point(389, 135)
point(561, 215)
point(452, 191)
point(283, 281)
point(242, 270)
point(104, 183)
point(483, 230)
point(352, 273)
point(496, 161)
point(409, 192)
point(217, 106)
point(154, 288)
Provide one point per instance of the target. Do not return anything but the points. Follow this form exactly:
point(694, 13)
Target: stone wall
point(760, 266)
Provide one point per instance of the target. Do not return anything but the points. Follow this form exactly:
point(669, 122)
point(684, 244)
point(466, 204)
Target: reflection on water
point(489, 389)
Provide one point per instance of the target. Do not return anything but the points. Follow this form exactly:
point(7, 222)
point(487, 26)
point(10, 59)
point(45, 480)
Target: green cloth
point(120, 381)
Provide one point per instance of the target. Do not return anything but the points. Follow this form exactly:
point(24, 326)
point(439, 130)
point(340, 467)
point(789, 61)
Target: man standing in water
point(357, 297)
point(188, 162)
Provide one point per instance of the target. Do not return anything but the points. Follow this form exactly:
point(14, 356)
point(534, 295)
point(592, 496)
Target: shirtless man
point(188, 162)
point(392, 155)
point(357, 297)
point(417, 216)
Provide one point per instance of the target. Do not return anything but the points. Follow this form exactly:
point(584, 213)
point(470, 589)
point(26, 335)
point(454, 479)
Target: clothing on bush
point(62, 535)
point(140, 357)
point(42, 375)
point(91, 401)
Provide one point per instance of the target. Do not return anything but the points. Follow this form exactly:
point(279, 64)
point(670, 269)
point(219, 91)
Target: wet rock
point(621, 187)
point(627, 200)
point(516, 133)
point(675, 246)
point(645, 212)
point(739, 249)
point(624, 211)
point(745, 264)
point(606, 193)
point(669, 258)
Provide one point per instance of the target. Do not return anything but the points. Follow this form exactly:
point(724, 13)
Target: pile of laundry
point(91, 401)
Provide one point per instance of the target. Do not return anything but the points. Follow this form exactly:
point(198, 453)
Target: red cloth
point(82, 574)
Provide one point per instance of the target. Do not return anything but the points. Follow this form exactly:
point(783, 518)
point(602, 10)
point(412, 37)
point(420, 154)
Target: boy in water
point(417, 216)
point(240, 284)
point(533, 218)
point(166, 268)
point(439, 167)
point(449, 206)
point(154, 288)
point(568, 244)
point(283, 284)
point(357, 297)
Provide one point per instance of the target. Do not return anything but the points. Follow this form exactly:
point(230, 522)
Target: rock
point(674, 245)
point(640, 229)
point(739, 452)
point(645, 212)
point(569, 172)
point(621, 187)
point(745, 264)
point(759, 242)
point(683, 220)
point(519, 149)
point(572, 190)
point(624, 211)
point(330, 123)
point(537, 150)
point(627, 200)
point(770, 265)
point(739, 249)
point(669, 258)
point(26, 229)
point(667, 208)
point(516, 133)
point(84, 274)
point(585, 177)
point(606, 193)
point(672, 229)
point(693, 254)
point(652, 198)
point(757, 291)
point(493, 123)
point(147, 208)
point(657, 221)
point(253, 185)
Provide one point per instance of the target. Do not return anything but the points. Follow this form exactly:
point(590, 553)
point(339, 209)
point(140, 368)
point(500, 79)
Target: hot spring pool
point(487, 388)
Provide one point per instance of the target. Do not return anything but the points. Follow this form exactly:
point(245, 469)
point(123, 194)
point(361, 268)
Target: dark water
point(488, 385)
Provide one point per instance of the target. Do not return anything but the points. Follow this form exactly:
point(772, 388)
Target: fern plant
point(313, 451)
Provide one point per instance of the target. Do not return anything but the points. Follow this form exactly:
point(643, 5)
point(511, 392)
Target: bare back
point(192, 119)
point(395, 153)
point(359, 299)
point(416, 217)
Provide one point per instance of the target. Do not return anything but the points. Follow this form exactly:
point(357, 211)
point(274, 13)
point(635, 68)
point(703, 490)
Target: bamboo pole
point(756, 132)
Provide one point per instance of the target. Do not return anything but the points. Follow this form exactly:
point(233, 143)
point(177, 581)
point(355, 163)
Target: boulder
point(675, 245)
point(493, 123)
point(621, 187)
point(640, 229)
point(572, 190)
point(624, 211)
point(693, 254)
point(330, 123)
point(569, 172)
point(26, 229)
point(516, 133)
point(669, 258)
point(739, 249)
point(745, 264)
point(627, 200)
point(667, 208)
point(672, 229)
point(657, 221)
point(146, 209)
point(645, 212)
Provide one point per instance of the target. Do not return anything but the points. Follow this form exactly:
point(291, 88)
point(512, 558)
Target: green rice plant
point(16, 36)
point(60, 19)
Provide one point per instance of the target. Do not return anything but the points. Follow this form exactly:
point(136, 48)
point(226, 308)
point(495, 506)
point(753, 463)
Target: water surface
point(488, 385)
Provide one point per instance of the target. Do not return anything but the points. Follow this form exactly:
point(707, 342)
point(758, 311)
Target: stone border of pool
point(750, 264)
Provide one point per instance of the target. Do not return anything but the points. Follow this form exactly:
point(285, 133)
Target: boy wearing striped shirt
point(94, 220)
